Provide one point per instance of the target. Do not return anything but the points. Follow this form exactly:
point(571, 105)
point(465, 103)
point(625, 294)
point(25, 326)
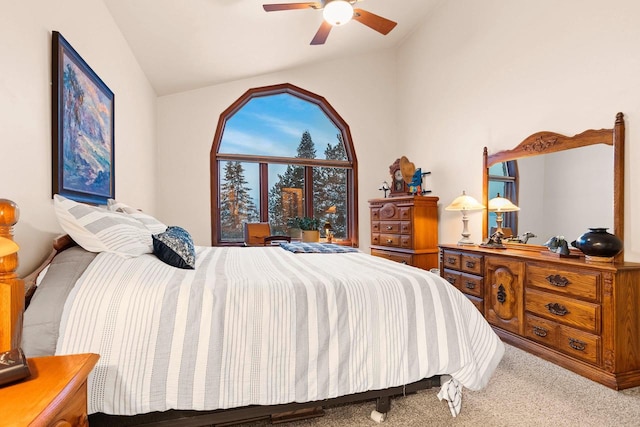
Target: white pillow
point(100, 230)
point(154, 225)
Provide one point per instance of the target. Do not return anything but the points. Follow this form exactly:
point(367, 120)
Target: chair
point(259, 234)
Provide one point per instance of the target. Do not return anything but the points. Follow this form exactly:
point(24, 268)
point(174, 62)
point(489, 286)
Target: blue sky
point(273, 126)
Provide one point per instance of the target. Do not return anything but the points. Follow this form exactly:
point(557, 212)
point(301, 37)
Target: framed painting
point(82, 128)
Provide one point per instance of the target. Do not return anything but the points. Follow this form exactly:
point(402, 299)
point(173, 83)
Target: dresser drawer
point(584, 284)
point(451, 260)
point(580, 344)
point(392, 240)
point(390, 227)
point(570, 312)
point(470, 284)
point(471, 263)
point(406, 227)
point(375, 226)
point(375, 214)
point(393, 256)
point(467, 283)
point(406, 242)
point(405, 213)
point(452, 276)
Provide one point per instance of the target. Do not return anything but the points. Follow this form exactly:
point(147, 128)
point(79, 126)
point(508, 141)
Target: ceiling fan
point(337, 12)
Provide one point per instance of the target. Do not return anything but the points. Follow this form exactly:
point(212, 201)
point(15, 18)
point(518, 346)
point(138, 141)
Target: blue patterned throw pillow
point(175, 247)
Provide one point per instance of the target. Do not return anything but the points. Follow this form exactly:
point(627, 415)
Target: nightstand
point(54, 395)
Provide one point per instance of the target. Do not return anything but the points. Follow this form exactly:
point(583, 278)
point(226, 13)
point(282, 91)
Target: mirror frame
point(549, 142)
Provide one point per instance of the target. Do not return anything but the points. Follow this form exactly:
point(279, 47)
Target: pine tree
point(236, 204)
point(283, 202)
point(331, 190)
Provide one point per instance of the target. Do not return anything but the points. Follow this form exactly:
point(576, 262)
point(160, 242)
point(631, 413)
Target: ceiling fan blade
point(291, 6)
point(373, 21)
point(322, 34)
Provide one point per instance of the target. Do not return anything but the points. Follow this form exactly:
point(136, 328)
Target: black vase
point(597, 242)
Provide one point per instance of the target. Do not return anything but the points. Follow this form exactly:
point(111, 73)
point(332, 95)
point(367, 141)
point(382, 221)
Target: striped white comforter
point(266, 326)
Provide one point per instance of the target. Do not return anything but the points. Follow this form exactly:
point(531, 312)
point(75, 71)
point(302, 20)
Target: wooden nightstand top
point(37, 399)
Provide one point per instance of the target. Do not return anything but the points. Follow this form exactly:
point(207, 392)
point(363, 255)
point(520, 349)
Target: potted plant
point(309, 226)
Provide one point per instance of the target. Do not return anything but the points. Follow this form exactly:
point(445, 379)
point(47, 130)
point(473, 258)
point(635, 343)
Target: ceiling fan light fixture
point(338, 12)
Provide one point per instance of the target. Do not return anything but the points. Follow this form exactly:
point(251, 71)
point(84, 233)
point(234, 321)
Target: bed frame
point(15, 294)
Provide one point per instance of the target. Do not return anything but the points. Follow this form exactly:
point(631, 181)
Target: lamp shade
point(338, 12)
point(464, 203)
point(500, 204)
point(8, 247)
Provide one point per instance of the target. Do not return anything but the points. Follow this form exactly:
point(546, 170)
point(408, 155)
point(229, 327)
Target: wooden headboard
point(11, 287)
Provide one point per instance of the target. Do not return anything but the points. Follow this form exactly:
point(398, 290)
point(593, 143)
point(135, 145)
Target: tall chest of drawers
point(405, 229)
point(580, 315)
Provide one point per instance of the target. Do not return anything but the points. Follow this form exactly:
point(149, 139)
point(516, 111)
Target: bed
point(239, 333)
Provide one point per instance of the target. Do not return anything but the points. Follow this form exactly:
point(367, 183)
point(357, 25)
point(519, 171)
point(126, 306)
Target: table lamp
point(499, 205)
point(465, 204)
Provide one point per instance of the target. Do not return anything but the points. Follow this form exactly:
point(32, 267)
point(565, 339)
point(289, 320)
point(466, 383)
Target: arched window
point(281, 152)
point(503, 180)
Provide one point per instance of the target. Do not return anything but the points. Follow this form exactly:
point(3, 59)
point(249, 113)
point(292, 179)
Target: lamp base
point(465, 241)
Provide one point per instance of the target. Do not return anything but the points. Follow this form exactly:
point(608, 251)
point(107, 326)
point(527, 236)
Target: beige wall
point(361, 89)
point(25, 111)
point(491, 73)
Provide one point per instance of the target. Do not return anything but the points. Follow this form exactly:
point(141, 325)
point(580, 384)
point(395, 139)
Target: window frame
point(351, 164)
point(512, 190)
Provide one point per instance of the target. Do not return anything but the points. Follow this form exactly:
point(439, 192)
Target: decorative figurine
point(415, 185)
point(384, 187)
point(558, 245)
point(494, 241)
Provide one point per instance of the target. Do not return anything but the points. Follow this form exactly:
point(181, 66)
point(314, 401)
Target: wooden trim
point(332, 114)
point(11, 287)
point(550, 142)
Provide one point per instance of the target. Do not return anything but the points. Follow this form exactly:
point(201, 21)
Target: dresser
point(405, 229)
point(580, 315)
point(54, 395)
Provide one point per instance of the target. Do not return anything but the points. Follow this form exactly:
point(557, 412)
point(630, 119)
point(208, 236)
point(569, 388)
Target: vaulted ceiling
point(188, 44)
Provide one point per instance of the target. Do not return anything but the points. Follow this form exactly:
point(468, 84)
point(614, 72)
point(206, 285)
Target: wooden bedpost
point(11, 287)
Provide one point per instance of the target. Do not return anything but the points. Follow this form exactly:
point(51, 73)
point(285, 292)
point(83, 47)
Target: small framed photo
point(82, 128)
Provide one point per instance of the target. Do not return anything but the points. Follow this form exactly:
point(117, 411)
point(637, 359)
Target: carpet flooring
point(524, 391)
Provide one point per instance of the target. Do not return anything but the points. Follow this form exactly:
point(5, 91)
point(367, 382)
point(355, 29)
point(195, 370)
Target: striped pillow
point(155, 226)
point(100, 230)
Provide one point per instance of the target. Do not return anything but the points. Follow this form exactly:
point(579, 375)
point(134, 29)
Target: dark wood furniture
point(584, 316)
point(405, 229)
point(580, 315)
point(54, 395)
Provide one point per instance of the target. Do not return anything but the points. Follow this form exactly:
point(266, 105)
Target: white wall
point(361, 89)
point(491, 73)
point(25, 111)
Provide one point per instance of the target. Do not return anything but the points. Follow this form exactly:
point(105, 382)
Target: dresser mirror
point(565, 185)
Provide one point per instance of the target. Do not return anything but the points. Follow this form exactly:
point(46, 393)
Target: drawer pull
point(502, 295)
point(557, 309)
point(471, 264)
point(558, 280)
point(452, 260)
point(451, 280)
point(539, 331)
point(470, 285)
point(577, 344)
point(389, 240)
point(389, 227)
